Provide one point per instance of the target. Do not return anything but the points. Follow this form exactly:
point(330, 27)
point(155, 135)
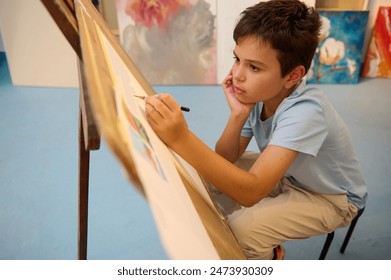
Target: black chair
point(330, 237)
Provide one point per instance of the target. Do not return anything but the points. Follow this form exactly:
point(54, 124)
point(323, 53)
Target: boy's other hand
point(237, 108)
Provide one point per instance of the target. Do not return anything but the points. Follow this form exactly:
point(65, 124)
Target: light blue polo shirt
point(307, 122)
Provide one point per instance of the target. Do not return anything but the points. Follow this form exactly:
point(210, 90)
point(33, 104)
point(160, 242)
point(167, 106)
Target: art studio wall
point(164, 56)
point(27, 23)
point(192, 44)
point(37, 52)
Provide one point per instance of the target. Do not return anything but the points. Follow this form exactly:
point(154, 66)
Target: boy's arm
point(247, 188)
point(231, 145)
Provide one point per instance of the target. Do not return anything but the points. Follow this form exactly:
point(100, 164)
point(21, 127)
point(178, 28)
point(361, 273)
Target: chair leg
point(326, 245)
point(350, 231)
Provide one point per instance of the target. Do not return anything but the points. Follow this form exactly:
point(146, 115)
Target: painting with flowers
point(338, 57)
point(170, 41)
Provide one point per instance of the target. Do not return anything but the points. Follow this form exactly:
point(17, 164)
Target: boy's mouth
point(238, 90)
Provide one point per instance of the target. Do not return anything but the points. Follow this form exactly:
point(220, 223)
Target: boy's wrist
point(239, 116)
point(178, 142)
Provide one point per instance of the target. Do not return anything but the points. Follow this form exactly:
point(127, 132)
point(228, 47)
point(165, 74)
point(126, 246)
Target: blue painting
point(339, 54)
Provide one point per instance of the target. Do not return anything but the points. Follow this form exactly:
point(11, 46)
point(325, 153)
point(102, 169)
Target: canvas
point(338, 57)
point(170, 41)
point(378, 58)
point(113, 81)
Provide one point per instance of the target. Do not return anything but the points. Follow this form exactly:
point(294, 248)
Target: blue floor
point(39, 169)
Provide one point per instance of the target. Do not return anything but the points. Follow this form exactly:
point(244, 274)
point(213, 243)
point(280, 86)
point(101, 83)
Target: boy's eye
point(236, 59)
point(254, 68)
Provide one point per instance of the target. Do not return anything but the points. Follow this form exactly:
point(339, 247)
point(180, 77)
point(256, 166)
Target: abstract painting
point(170, 41)
point(378, 59)
point(338, 57)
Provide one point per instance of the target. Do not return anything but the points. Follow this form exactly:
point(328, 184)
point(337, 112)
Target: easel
point(78, 21)
point(63, 13)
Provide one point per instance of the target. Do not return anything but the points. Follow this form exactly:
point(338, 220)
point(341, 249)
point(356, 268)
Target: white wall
point(37, 52)
point(227, 15)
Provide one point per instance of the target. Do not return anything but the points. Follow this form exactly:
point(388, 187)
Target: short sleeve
point(252, 122)
point(301, 127)
point(247, 129)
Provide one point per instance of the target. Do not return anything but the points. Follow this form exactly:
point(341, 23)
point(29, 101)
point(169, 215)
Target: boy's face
point(257, 74)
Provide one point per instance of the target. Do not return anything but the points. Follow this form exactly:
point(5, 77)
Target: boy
point(306, 181)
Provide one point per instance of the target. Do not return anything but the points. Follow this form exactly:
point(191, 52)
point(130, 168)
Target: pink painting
point(378, 60)
point(170, 41)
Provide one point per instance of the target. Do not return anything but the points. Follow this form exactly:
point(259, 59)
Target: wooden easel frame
point(63, 12)
point(66, 15)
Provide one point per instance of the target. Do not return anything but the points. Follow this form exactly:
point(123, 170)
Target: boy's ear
point(295, 76)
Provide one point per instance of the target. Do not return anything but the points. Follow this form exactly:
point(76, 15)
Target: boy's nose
point(238, 74)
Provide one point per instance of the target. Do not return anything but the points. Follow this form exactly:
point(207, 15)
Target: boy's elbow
point(249, 201)
point(252, 192)
point(225, 155)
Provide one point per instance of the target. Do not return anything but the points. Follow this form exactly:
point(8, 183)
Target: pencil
point(183, 108)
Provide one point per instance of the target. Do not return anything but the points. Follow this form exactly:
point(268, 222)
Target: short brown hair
point(289, 26)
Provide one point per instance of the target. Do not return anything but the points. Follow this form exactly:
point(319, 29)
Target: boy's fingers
point(153, 115)
point(169, 101)
point(156, 104)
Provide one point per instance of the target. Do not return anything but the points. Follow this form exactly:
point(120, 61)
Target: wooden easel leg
point(84, 166)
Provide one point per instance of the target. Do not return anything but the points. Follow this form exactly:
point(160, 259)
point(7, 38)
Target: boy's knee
point(251, 240)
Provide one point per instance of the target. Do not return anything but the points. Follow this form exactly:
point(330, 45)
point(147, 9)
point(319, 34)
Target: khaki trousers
point(288, 213)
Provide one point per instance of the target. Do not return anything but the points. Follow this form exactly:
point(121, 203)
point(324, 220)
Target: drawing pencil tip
point(183, 108)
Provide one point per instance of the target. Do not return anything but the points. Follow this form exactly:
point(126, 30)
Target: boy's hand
point(166, 118)
point(236, 107)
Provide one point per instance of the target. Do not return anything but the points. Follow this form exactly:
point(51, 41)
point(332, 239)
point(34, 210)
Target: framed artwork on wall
point(378, 58)
point(172, 42)
point(339, 54)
